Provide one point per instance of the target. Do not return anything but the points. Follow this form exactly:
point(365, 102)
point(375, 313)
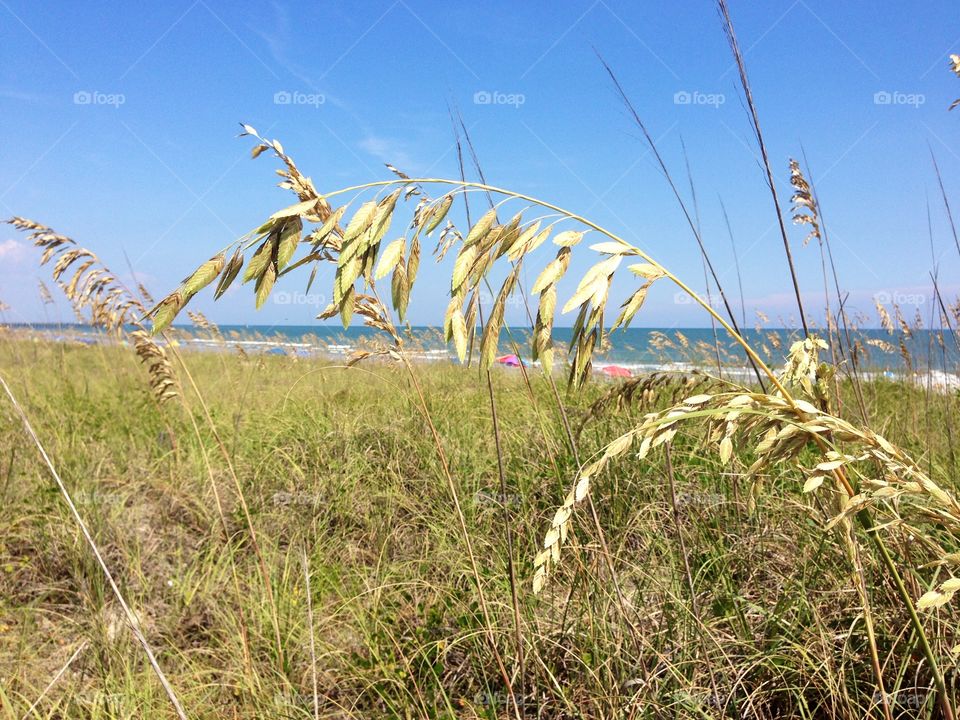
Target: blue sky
point(120, 119)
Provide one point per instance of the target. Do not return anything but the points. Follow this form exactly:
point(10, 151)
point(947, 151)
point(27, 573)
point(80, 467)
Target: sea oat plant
point(865, 476)
point(955, 66)
point(93, 289)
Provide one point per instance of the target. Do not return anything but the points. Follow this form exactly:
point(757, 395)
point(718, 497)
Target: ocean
point(636, 349)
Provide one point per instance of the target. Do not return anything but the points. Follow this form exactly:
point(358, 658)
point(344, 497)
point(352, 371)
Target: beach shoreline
point(337, 347)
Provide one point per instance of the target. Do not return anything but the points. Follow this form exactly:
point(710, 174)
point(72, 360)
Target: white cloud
point(12, 250)
point(14, 94)
point(282, 42)
point(387, 151)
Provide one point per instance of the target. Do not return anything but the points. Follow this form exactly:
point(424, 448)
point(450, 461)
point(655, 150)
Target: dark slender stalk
point(736, 263)
point(706, 280)
point(755, 125)
point(678, 528)
point(831, 340)
point(593, 512)
point(945, 704)
point(945, 318)
point(313, 646)
point(868, 623)
point(946, 202)
point(559, 402)
point(461, 519)
point(518, 635)
point(683, 207)
point(514, 597)
point(841, 305)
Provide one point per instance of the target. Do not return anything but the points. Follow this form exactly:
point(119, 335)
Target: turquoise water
point(636, 348)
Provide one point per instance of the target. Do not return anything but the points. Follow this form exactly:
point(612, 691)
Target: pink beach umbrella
point(617, 371)
point(509, 360)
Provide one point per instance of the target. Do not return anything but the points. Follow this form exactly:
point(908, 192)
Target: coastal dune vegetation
point(770, 532)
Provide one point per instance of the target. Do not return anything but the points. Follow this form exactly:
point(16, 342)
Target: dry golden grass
point(91, 288)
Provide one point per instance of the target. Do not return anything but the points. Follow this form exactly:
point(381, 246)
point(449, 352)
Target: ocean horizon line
point(338, 327)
